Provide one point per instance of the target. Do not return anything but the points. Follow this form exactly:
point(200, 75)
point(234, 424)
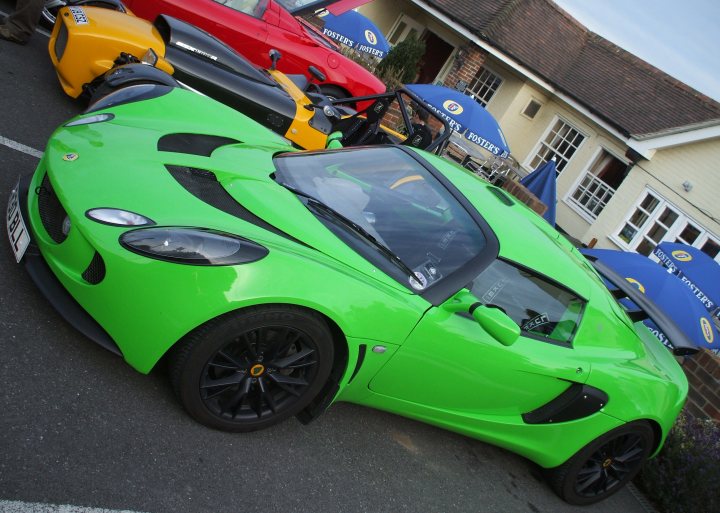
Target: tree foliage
point(400, 66)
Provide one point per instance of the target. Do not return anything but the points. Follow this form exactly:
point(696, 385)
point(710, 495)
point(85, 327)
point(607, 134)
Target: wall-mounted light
point(687, 185)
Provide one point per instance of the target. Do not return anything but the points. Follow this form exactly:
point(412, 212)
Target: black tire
point(252, 369)
point(333, 92)
point(604, 466)
point(49, 13)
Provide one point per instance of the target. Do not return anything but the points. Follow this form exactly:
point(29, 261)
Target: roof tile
point(627, 92)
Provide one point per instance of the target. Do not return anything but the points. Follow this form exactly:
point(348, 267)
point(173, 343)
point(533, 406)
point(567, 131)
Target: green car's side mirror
point(497, 323)
point(493, 320)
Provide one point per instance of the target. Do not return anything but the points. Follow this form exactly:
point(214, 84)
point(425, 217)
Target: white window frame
point(674, 230)
point(578, 207)
point(541, 142)
point(410, 24)
point(527, 104)
point(495, 76)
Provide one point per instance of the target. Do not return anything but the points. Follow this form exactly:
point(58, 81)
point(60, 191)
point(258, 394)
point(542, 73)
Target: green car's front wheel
point(252, 369)
point(603, 466)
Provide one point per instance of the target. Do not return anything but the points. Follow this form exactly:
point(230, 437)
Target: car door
point(449, 362)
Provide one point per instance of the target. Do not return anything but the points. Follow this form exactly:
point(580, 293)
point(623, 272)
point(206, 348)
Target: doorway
point(437, 52)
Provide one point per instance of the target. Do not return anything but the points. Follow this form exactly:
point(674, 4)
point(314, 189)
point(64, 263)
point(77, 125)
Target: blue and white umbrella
point(667, 291)
point(696, 269)
point(356, 31)
point(465, 116)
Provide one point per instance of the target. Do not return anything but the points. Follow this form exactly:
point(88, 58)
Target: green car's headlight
point(117, 217)
point(194, 246)
point(89, 120)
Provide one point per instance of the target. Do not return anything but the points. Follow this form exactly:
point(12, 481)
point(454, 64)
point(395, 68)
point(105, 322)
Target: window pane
point(668, 217)
point(398, 31)
point(539, 307)
point(246, 6)
point(639, 218)
point(645, 247)
point(656, 220)
point(561, 142)
point(532, 109)
point(690, 234)
point(484, 85)
point(657, 232)
point(650, 203)
point(711, 247)
point(627, 233)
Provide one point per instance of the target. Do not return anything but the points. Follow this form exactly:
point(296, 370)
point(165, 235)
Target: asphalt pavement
point(79, 427)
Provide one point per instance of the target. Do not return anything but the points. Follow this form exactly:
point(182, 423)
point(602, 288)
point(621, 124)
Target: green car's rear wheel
point(603, 466)
point(252, 369)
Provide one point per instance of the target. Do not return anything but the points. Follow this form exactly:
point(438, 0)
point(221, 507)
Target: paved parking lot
point(79, 427)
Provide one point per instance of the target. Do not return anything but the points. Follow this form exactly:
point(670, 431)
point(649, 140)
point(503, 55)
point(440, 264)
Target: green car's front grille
point(61, 41)
point(52, 213)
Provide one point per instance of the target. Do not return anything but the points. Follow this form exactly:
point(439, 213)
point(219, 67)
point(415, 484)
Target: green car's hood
point(134, 174)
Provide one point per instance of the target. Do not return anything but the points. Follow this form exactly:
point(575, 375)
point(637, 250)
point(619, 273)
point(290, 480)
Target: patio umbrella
point(356, 31)
point(669, 294)
point(465, 116)
point(698, 270)
point(543, 183)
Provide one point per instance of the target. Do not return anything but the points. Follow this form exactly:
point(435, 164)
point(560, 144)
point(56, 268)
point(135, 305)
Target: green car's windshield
point(395, 207)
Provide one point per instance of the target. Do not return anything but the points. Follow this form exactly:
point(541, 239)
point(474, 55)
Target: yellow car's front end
point(86, 41)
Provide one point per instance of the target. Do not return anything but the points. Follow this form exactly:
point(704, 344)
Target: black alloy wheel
point(253, 369)
point(604, 466)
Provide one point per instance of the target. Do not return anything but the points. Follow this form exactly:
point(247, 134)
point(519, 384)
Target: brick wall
point(466, 64)
point(703, 373)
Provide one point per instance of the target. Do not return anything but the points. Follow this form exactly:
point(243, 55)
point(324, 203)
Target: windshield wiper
point(328, 211)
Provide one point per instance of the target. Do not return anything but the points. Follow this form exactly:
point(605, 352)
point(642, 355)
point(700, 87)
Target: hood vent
point(194, 144)
point(204, 186)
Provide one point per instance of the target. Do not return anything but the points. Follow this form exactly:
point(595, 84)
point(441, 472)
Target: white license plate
point(17, 231)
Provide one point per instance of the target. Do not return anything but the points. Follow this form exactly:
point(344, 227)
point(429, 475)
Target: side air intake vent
point(204, 186)
point(194, 144)
point(577, 402)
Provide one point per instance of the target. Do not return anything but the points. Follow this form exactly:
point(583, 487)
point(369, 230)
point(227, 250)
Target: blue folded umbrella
point(543, 183)
point(674, 298)
point(356, 31)
point(700, 272)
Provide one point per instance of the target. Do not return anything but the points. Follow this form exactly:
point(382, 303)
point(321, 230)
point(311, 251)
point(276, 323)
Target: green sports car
point(164, 225)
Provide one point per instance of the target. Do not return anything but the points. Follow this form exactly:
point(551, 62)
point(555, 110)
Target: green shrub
point(685, 476)
point(400, 65)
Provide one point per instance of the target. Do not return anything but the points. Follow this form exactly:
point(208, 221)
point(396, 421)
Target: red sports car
point(253, 27)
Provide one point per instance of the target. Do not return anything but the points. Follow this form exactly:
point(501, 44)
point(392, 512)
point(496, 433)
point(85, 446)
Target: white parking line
point(16, 145)
point(20, 147)
point(36, 507)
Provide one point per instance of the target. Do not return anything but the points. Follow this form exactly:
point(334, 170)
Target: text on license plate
point(17, 231)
